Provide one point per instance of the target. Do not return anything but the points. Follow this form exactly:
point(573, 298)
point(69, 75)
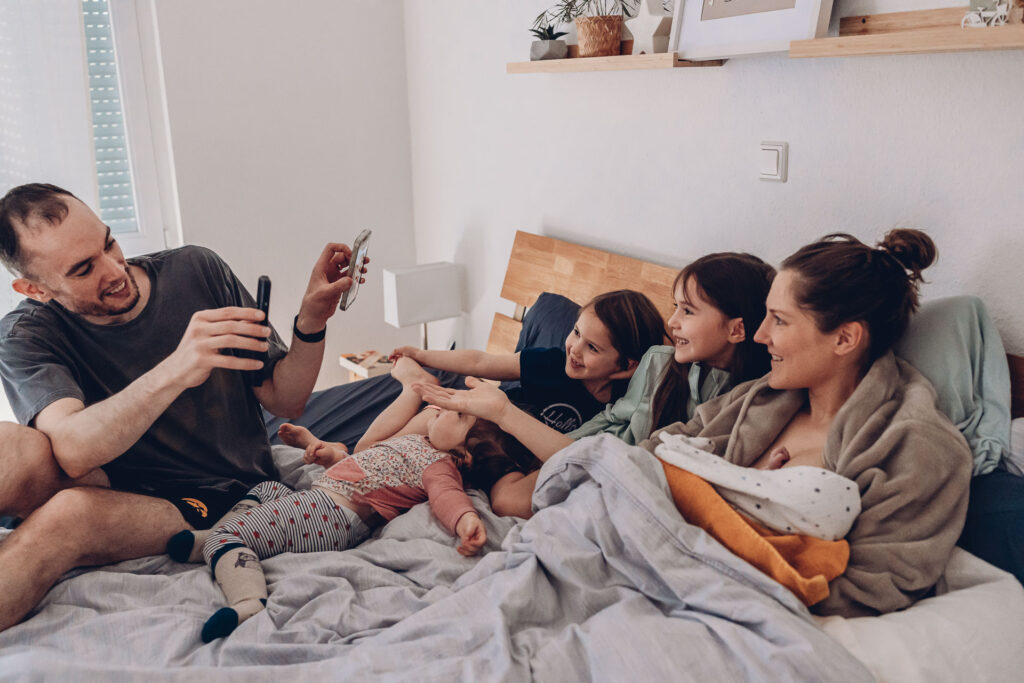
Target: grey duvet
point(605, 582)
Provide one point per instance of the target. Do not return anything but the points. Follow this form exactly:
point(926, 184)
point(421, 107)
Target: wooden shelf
point(910, 33)
point(663, 60)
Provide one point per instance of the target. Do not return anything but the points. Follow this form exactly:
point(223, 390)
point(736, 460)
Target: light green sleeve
point(629, 418)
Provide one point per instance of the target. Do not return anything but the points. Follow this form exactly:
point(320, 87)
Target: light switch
point(774, 161)
point(769, 162)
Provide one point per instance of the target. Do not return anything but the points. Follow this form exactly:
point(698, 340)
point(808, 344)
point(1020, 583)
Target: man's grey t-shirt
point(211, 435)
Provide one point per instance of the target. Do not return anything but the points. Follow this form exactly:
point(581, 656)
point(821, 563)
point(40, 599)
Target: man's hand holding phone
point(329, 280)
point(216, 338)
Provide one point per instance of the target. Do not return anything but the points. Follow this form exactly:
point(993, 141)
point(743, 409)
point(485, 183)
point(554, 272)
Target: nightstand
point(365, 364)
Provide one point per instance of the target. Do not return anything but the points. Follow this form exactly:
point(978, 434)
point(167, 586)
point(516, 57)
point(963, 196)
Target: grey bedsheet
point(605, 582)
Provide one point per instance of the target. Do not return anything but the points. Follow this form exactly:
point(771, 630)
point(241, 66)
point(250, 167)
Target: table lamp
point(422, 294)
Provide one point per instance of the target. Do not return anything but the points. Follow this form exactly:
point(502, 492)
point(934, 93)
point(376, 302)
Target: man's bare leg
point(93, 526)
point(29, 474)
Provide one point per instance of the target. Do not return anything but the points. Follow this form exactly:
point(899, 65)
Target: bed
point(606, 581)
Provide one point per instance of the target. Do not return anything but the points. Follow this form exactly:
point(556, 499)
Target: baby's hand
point(405, 352)
point(408, 372)
point(323, 453)
point(472, 534)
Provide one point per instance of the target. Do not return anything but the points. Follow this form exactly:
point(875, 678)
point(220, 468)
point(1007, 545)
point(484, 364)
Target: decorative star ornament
point(650, 28)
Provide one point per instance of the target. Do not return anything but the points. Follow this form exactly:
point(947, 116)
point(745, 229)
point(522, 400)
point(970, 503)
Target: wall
point(289, 126)
point(662, 164)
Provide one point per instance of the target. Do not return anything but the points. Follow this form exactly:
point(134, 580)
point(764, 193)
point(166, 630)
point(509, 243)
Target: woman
point(837, 397)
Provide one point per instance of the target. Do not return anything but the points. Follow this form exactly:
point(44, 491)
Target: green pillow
point(955, 344)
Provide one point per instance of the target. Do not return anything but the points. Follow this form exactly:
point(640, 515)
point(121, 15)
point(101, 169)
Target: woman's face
point(700, 332)
point(802, 356)
point(589, 353)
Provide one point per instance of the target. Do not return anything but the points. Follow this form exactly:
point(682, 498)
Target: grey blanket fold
point(605, 582)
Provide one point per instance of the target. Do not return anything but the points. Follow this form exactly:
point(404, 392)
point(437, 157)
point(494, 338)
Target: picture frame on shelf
point(717, 29)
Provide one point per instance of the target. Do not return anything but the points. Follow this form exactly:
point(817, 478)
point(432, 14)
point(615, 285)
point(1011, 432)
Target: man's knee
point(29, 475)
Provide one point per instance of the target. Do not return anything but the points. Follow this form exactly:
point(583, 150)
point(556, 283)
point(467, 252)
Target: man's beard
point(98, 309)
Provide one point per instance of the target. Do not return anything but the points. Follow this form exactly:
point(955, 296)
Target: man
point(129, 370)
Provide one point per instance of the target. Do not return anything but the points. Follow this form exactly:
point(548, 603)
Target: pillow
point(548, 322)
point(1013, 461)
point(955, 344)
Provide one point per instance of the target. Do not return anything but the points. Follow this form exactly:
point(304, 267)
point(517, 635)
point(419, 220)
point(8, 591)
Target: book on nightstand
point(365, 364)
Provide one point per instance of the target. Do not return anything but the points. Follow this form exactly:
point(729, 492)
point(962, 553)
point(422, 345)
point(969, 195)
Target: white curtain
point(45, 133)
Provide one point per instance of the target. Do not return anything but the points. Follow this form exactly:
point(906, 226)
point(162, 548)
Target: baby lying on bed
point(802, 499)
point(404, 459)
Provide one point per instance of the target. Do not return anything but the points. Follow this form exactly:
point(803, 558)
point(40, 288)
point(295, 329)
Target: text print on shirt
point(561, 416)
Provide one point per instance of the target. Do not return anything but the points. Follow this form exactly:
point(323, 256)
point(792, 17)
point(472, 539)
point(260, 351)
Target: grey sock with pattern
point(240, 576)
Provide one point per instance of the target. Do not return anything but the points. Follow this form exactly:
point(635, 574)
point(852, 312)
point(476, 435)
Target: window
point(135, 191)
point(110, 142)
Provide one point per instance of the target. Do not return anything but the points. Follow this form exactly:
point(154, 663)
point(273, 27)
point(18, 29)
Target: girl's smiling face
point(589, 353)
point(701, 332)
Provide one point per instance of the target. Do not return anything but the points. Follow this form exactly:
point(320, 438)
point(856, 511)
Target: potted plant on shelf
point(598, 23)
point(547, 45)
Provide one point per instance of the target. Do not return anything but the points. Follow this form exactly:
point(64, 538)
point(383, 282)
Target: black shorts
point(201, 506)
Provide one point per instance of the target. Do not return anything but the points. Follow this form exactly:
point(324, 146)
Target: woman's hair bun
point(913, 249)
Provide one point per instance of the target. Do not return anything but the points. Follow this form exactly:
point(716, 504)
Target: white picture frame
point(746, 34)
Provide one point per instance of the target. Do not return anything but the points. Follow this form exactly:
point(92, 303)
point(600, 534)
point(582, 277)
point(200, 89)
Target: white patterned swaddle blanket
point(800, 499)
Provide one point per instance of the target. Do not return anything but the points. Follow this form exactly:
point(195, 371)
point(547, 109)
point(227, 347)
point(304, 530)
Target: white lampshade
point(420, 294)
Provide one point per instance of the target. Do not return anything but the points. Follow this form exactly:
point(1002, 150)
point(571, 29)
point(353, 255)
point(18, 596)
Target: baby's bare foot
point(295, 435)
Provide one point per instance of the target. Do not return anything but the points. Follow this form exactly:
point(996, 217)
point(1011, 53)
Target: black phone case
point(262, 303)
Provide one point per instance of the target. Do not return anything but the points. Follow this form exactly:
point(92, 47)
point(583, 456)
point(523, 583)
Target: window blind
point(113, 169)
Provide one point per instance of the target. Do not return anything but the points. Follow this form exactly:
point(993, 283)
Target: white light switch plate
point(773, 161)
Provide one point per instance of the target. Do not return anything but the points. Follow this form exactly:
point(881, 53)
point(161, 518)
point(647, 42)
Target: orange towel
point(803, 564)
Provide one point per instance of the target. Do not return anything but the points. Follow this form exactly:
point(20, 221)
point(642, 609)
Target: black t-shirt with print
point(547, 393)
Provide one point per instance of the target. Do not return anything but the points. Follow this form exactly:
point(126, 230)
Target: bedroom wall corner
point(289, 127)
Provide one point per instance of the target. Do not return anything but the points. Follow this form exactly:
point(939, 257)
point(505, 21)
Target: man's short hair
point(36, 201)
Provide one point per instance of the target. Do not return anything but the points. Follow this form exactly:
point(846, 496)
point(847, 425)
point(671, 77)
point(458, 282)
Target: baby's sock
point(240, 575)
point(187, 545)
point(226, 619)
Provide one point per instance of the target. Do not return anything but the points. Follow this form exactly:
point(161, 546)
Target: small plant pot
point(548, 49)
point(599, 36)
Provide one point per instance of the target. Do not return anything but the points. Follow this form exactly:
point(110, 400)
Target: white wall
point(662, 164)
point(289, 126)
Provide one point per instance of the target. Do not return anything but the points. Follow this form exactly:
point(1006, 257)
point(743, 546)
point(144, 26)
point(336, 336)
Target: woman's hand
point(472, 534)
point(482, 399)
point(409, 372)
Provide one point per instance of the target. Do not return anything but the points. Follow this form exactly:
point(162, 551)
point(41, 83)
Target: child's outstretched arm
point(400, 417)
point(452, 507)
point(500, 366)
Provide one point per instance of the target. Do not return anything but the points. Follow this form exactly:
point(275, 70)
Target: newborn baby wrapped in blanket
point(788, 522)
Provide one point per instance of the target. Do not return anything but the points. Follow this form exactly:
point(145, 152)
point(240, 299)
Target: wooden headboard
point(544, 264)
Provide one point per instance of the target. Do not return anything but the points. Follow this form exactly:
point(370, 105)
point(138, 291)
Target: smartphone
point(355, 268)
point(262, 303)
